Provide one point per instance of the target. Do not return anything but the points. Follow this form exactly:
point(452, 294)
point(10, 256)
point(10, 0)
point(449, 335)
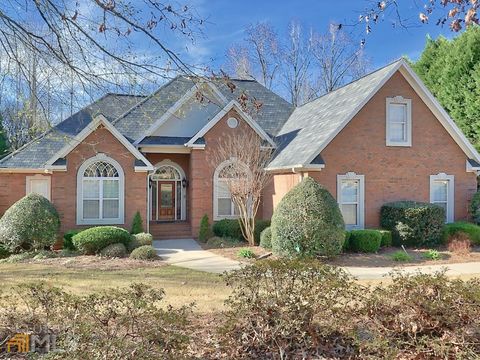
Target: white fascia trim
point(232, 104)
point(98, 120)
point(171, 111)
point(169, 149)
point(355, 111)
point(25, 170)
point(56, 167)
point(297, 168)
point(439, 112)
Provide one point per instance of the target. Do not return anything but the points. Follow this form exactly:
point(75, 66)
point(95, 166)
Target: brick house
point(381, 138)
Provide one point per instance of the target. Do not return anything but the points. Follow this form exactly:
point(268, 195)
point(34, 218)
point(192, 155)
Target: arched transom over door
point(167, 193)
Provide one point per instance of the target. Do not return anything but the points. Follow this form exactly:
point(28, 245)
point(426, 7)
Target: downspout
point(147, 218)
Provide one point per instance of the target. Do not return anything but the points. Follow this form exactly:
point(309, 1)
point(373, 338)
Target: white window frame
point(216, 181)
point(361, 197)
point(121, 193)
point(399, 100)
point(28, 184)
point(450, 216)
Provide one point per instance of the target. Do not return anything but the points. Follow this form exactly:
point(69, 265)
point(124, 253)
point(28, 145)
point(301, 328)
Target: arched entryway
point(167, 192)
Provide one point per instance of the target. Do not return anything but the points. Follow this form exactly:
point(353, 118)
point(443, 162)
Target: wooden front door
point(166, 200)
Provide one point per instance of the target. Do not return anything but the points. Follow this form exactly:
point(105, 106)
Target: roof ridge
point(351, 82)
point(114, 121)
point(120, 94)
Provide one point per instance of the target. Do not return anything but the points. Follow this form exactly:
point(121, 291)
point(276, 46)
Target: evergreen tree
point(4, 148)
point(451, 70)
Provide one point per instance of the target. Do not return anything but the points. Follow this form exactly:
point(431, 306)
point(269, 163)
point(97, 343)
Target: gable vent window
point(399, 122)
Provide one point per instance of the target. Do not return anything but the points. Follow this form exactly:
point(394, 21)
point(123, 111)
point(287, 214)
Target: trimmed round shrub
point(307, 222)
point(31, 223)
point(266, 238)
point(91, 241)
point(260, 225)
point(471, 230)
point(228, 228)
point(386, 238)
point(114, 251)
point(140, 239)
point(145, 252)
point(413, 223)
point(67, 239)
point(366, 241)
point(475, 208)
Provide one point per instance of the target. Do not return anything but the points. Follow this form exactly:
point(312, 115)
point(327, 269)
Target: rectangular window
point(38, 184)
point(225, 206)
point(399, 122)
point(442, 194)
point(350, 197)
point(100, 199)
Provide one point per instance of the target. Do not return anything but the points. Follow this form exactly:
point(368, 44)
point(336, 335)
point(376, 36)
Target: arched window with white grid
point(100, 192)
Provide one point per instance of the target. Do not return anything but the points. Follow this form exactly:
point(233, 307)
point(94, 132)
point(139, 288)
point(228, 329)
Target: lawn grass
point(182, 286)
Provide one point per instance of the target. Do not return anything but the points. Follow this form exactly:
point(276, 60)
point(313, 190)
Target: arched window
point(100, 192)
point(223, 205)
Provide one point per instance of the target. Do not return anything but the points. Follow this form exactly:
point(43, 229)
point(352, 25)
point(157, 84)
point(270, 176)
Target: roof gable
point(314, 125)
point(81, 136)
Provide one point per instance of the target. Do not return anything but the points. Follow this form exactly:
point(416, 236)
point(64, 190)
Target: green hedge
point(367, 241)
point(266, 238)
point(91, 241)
point(475, 208)
point(413, 223)
point(386, 238)
point(231, 228)
point(472, 230)
point(346, 242)
point(68, 239)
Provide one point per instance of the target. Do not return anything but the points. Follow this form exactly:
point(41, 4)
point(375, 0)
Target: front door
point(166, 200)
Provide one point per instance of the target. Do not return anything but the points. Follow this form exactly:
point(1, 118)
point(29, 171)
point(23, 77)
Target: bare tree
point(244, 176)
point(296, 65)
point(338, 58)
point(239, 63)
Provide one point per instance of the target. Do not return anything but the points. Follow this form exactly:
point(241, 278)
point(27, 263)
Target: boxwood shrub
point(67, 239)
point(266, 238)
point(228, 228)
point(307, 222)
point(117, 250)
point(140, 239)
point(30, 223)
point(413, 223)
point(472, 231)
point(145, 252)
point(91, 241)
point(386, 238)
point(367, 241)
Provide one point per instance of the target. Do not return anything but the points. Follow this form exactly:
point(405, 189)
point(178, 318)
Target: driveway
point(187, 253)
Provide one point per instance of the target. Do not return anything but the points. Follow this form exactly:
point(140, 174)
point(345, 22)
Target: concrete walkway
point(187, 253)
point(373, 273)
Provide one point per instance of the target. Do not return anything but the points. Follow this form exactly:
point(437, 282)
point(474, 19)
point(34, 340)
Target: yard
point(182, 286)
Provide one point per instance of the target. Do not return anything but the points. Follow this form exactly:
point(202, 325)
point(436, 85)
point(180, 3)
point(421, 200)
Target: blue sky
point(227, 20)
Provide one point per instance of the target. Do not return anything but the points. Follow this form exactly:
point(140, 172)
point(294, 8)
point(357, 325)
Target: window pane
point(224, 207)
point(397, 132)
point(110, 209)
point(91, 209)
point(222, 189)
point(349, 191)
point(440, 191)
point(349, 213)
point(91, 189)
point(110, 189)
point(397, 113)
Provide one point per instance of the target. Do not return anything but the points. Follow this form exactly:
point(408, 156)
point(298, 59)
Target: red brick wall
point(202, 169)
point(64, 184)
point(392, 173)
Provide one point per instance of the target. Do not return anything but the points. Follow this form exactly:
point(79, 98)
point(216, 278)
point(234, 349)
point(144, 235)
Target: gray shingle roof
point(36, 153)
point(164, 140)
point(312, 125)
